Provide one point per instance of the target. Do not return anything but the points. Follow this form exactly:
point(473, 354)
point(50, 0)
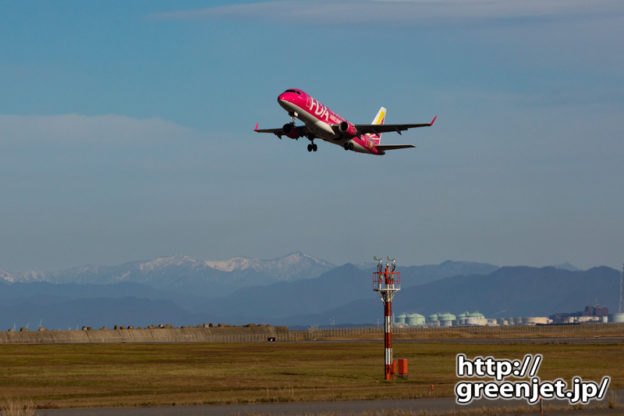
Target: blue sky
point(125, 131)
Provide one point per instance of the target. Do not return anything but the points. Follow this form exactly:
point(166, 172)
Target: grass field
point(181, 374)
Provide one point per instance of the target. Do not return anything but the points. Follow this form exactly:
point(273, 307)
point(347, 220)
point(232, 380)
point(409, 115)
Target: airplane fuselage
point(318, 119)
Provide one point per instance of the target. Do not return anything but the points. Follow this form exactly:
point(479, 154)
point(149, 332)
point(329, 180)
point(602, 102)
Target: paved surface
point(553, 340)
point(433, 405)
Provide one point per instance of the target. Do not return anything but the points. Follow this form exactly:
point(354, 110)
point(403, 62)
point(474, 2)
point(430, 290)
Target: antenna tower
point(387, 282)
point(621, 306)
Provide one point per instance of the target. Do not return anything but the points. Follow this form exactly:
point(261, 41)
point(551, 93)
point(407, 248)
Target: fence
point(474, 332)
point(283, 334)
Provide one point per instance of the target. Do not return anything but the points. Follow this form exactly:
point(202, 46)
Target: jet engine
point(291, 131)
point(347, 129)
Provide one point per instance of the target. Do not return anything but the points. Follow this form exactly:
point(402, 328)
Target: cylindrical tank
point(432, 320)
point(476, 318)
point(536, 320)
point(446, 319)
point(616, 318)
point(415, 319)
point(400, 319)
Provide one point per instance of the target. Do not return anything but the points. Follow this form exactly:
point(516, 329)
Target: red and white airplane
point(321, 122)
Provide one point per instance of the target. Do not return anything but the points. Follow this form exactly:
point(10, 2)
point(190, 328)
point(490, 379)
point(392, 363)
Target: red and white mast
point(387, 282)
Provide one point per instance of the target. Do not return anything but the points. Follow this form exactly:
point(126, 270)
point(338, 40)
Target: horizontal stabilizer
point(384, 147)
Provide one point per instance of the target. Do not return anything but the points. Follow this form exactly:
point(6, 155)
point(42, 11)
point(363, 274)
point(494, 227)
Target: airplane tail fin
point(379, 119)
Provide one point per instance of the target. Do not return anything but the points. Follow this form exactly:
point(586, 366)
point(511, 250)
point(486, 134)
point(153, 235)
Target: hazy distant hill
point(57, 313)
point(332, 289)
point(506, 292)
point(12, 292)
point(417, 275)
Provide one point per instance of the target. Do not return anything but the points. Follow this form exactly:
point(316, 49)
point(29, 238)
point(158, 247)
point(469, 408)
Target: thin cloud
point(350, 11)
point(73, 128)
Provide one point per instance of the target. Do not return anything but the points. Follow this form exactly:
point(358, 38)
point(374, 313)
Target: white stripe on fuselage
point(319, 128)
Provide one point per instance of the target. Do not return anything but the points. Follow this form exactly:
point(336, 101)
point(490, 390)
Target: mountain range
point(295, 290)
point(186, 275)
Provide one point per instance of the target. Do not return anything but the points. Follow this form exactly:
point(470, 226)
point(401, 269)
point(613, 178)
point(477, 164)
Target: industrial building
point(446, 320)
point(591, 314)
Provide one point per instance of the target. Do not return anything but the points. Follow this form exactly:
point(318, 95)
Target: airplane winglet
point(433, 121)
point(257, 124)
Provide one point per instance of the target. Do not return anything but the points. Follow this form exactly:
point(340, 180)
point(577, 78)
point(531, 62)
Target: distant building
point(595, 313)
point(536, 320)
point(596, 310)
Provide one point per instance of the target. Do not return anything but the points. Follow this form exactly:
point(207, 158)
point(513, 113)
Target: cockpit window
point(295, 91)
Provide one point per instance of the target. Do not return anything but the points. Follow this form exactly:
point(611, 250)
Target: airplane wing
point(278, 132)
point(383, 128)
point(384, 147)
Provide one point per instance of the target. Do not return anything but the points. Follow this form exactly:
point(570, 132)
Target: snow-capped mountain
point(6, 276)
point(187, 275)
point(297, 265)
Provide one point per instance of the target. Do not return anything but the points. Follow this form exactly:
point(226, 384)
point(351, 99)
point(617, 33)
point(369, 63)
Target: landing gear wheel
point(314, 147)
point(310, 147)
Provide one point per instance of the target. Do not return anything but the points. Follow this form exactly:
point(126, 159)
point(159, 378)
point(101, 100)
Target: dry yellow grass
point(10, 407)
point(178, 374)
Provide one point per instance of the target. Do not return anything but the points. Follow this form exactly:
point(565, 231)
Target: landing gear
point(311, 147)
point(348, 146)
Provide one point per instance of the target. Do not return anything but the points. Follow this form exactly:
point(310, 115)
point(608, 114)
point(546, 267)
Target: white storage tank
point(476, 318)
point(616, 318)
point(446, 319)
point(433, 320)
point(536, 320)
point(415, 319)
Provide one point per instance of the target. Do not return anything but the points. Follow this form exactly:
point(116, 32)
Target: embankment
point(145, 335)
point(261, 333)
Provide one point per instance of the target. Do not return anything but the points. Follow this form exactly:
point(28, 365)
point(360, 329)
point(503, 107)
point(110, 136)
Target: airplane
point(321, 122)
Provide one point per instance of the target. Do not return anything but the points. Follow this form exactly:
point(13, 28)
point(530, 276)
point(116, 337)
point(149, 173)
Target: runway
point(429, 405)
